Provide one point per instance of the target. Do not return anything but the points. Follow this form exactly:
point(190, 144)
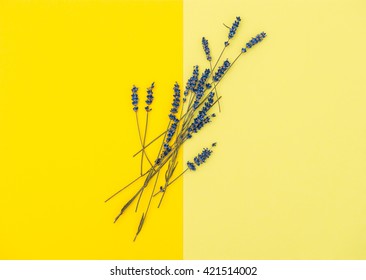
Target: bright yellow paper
point(68, 132)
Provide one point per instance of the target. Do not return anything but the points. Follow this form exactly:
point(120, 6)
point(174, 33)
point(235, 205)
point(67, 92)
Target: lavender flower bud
point(191, 166)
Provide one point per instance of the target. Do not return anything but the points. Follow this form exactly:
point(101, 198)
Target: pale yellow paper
point(287, 180)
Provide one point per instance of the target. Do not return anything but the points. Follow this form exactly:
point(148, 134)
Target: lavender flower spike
point(255, 40)
point(206, 48)
point(192, 82)
point(149, 97)
point(199, 122)
point(171, 130)
point(234, 27)
point(200, 87)
point(173, 119)
point(135, 98)
point(176, 100)
point(221, 71)
point(199, 159)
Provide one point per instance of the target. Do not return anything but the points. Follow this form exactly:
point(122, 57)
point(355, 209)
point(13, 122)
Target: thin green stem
point(157, 169)
point(144, 139)
point(140, 137)
point(138, 201)
point(217, 96)
point(176, 178)
point(161, 147)
point(147, 208)
point(217, 61)
point(152, 141)
point(142, 145)
point(125, 187)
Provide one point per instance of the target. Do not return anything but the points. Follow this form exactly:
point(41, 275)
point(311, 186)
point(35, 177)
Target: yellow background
point(287, 180)
point(68, 132)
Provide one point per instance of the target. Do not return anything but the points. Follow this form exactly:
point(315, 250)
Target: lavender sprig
point(194, 115)
point(232, 31)
point(149, 100)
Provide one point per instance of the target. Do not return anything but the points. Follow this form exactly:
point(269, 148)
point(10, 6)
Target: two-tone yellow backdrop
point(286, 181)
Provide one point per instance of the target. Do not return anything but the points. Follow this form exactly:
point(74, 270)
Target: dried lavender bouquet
point(190, 112)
